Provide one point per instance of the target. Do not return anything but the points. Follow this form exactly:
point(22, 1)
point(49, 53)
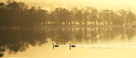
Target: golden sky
point(98, 4)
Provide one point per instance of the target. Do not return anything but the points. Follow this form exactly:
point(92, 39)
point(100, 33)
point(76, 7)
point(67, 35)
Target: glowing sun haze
point(98, 4)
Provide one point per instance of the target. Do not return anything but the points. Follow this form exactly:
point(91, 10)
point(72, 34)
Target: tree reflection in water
point(19, 40)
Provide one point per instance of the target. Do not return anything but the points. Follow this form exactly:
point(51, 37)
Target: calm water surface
point(92, 42)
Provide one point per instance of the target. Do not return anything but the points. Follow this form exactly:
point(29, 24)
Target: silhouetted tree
point(79, 16)
point(73, 11)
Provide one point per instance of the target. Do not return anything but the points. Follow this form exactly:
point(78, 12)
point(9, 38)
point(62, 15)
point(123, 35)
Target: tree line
point(15, 13)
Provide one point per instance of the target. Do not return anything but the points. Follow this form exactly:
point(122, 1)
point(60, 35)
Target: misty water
point(113, 42)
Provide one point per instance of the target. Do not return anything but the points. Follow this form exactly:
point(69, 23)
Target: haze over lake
point(67, 29)
point(103, 41)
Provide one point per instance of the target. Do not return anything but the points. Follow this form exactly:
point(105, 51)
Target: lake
point(90, 42)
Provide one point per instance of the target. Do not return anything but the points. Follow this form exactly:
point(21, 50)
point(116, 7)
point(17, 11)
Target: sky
point(114, 5)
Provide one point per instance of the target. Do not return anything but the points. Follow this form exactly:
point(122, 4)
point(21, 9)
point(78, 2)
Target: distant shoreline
point(86, 25)
point(82, 26)
point(76, 25)
point(67, 26)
